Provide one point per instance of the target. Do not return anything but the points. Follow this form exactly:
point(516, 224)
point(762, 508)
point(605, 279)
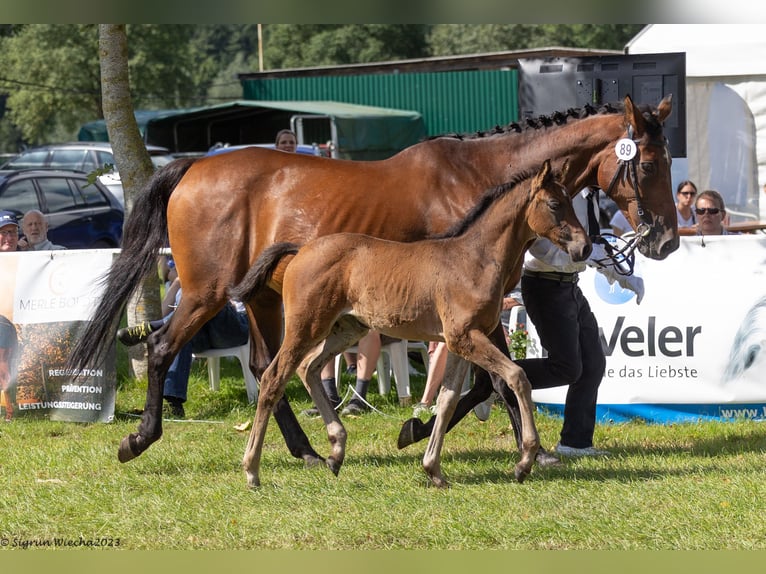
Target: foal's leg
point(414, 430)
point(273, 385)
point(163, 346)
point(448, 397)
point(344, 333)
point(266, 334)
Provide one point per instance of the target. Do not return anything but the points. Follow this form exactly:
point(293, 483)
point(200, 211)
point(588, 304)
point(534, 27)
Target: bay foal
point(338, 287)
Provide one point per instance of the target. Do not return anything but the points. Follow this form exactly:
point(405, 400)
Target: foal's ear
point(564, 171)
point(633, 117)
point(544, 175)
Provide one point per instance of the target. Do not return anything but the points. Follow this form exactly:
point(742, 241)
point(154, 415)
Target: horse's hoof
point(252, 480)
point(334, 465)
point(407, 434)
point(521, 472)
point(438, 481)
point(128, 449)
point(310, 461)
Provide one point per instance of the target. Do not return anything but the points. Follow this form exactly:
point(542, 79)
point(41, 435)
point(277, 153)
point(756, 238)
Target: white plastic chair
point(393, 357)
point(242, 353)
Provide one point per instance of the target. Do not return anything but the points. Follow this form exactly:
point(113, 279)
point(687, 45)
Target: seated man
point(35, 228)
point(229, 328)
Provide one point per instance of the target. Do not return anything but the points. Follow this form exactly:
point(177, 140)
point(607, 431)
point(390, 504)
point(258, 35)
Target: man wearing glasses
point(710, 211)
point(9, 231)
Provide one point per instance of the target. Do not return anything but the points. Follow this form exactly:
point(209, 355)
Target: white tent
point(725, 107)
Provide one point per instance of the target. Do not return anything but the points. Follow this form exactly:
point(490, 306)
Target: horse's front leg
point(480, 350)
point(454, 376)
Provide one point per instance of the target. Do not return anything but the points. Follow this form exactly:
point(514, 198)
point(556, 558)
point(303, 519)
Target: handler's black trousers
point(569, 332)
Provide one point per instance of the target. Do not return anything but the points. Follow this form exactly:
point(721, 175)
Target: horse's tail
point(145, 233)
point(261, 271)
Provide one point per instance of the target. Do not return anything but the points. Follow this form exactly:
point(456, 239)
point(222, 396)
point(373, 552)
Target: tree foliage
point(50, 72)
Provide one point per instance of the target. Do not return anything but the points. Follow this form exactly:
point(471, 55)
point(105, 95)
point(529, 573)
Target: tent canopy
point(725, 107)
point(357, 132)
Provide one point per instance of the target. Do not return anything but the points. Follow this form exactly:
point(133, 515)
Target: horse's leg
point(344, 333)
point(448, 397)
point(478, 349)
point(266, 333)
point(163, 346)
point(273, 385)
point(414, 430)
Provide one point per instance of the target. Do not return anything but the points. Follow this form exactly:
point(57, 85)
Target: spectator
point(286, 141)
point(35, 228)
point(229, 328)
point(9, 232)
point(710, 211)
point(685, 194)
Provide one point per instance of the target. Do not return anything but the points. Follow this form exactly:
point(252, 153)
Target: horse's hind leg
point(448, 397)
point(163, 346)
point(273, 385)
point(266, 334)
point(345, 333)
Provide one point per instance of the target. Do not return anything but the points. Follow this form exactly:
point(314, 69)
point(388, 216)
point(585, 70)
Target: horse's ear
point(542, 176)
point(564, 171)
point(664, 108)
point(633, 117)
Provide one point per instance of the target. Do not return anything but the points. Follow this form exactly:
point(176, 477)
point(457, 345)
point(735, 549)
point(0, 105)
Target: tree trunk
point(132, 159)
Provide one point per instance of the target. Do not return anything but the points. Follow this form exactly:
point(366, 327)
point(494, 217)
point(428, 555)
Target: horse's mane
point(483, 203)
point(559, 118)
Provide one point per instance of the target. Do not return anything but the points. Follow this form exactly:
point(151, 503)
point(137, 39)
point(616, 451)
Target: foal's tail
point(145, 233)
point(260, 273)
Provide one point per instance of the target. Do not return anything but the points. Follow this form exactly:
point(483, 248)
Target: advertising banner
point(47, 298)
point(695, 348)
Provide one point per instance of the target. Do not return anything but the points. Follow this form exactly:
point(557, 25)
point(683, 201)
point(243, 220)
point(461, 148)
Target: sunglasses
point(687, 193)
point(704, 210)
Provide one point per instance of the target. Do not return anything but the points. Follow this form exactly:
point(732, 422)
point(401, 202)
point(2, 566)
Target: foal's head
point(550, 214)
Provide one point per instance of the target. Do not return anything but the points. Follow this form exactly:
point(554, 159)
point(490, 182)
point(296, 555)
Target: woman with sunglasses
point(710, 211)
point(685, 194)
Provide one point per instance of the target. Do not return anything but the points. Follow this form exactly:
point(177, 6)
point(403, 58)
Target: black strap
point(594, 227)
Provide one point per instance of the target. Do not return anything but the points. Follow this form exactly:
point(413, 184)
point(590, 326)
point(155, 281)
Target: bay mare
point(449, 288)
point(220, 212)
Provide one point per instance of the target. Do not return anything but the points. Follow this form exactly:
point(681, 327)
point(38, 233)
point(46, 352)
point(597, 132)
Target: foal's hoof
point(407, 435)
point(520, 472)
point(128, 449)
point(333, 465)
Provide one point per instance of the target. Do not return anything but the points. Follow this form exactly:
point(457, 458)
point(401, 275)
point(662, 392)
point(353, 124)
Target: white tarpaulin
point(49, 296)
point(695, 347)
point(725, 107)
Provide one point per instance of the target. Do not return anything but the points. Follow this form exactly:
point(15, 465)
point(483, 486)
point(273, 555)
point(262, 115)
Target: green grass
point(692, 486)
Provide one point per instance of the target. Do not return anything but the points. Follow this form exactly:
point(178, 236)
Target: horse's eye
point(648, 167)
point(554, 204)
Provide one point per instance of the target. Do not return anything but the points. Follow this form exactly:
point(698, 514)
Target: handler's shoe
point(313, 412)
point(130, 336)
point(354, 408)
point(573, 452)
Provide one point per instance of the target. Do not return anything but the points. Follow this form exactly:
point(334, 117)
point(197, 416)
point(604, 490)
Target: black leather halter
point(620, 253)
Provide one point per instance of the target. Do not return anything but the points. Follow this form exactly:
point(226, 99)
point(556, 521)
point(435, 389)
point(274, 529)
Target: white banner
point(48, 297)
point(695, 348)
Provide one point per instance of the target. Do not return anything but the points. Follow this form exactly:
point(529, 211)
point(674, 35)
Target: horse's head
point(638, 178)
point(552, 216)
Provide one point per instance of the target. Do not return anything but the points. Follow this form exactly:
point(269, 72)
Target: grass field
point(692, 486)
